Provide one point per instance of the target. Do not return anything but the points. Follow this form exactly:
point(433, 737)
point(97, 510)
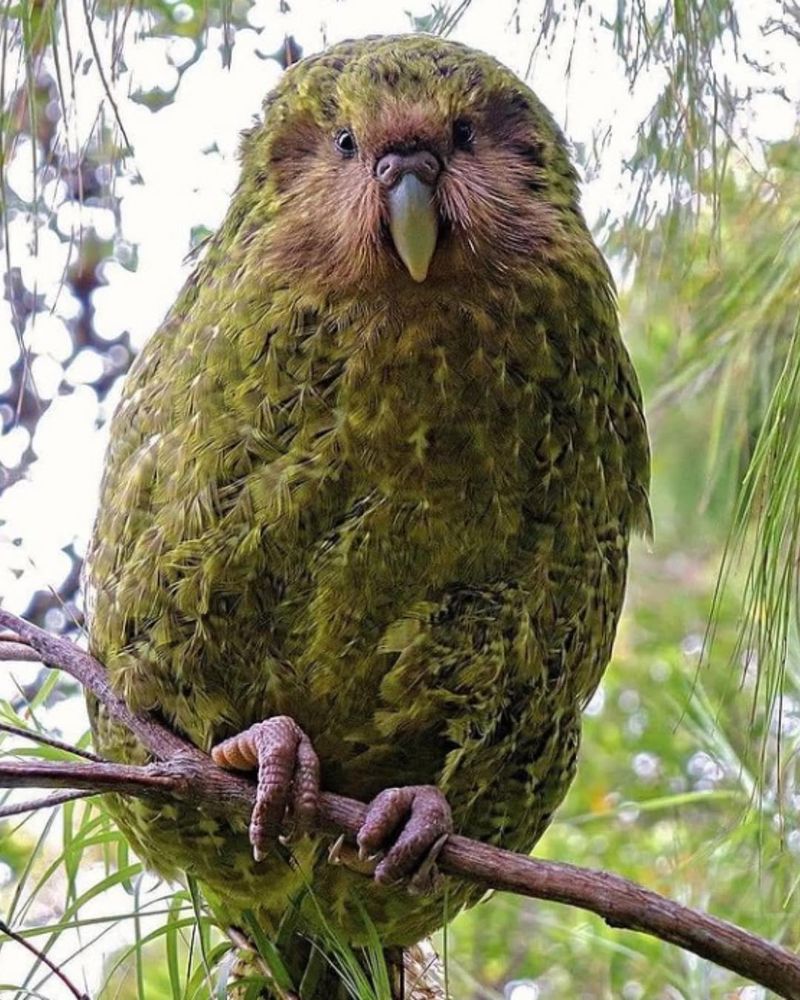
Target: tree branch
point(56, 799)
point(41, 738)
point(183, 772)
point(41, 957)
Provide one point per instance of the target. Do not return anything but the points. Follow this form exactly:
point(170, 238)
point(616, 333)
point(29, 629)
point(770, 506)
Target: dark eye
point(463, 134)
point(346, 142)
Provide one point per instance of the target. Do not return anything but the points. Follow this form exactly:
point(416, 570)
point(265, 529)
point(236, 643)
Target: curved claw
point(288, 776)
point(412, 825)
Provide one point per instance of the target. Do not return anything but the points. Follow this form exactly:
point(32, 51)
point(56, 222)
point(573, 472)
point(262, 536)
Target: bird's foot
point(288, 777)
point(406, 828)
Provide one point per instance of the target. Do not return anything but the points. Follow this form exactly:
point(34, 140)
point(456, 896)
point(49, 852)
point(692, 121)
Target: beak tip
point(414, 225)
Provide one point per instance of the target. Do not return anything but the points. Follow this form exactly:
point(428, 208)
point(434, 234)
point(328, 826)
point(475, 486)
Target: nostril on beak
point(392, 166)
point(427, 167)
point(387, 170)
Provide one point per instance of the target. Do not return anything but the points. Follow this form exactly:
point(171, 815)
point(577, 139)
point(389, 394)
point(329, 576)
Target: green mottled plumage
point(397, 512)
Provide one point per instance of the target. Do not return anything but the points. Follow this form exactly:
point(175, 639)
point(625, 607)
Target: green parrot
point(369, 492)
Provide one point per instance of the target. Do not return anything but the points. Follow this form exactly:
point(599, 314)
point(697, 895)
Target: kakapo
point(370, 487)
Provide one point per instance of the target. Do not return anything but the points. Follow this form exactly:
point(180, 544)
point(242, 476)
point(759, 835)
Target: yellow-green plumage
point(396, 511)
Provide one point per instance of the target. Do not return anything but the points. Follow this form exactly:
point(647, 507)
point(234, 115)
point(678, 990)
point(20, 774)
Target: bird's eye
point(346, 142)
point(463, 134)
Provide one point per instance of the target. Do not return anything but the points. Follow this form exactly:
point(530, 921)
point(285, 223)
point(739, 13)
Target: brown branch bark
point(182, 771)
point(41, 957)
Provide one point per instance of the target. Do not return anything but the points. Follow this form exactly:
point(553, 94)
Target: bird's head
point(405, 164)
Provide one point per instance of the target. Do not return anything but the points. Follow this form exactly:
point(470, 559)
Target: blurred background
point(119, 125)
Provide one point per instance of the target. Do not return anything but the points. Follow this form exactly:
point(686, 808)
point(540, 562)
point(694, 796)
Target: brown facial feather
point(497, 213)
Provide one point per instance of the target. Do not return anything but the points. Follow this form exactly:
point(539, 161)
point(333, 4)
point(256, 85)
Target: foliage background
point(684, 116)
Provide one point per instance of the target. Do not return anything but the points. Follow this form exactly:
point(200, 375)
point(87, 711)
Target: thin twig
point(40, 955)
point(49, 741)
point(185, 773)
point(33, 805)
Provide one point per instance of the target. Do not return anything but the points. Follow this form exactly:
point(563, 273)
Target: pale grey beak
point(413, 224)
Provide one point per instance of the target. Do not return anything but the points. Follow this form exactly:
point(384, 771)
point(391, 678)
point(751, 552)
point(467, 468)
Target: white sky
point(185, 185)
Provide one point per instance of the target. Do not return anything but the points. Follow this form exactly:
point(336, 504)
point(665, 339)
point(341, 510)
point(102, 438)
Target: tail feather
point(423, 973)
point(414, 974)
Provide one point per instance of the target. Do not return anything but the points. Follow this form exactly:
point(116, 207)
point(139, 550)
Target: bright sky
point(185, 156)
